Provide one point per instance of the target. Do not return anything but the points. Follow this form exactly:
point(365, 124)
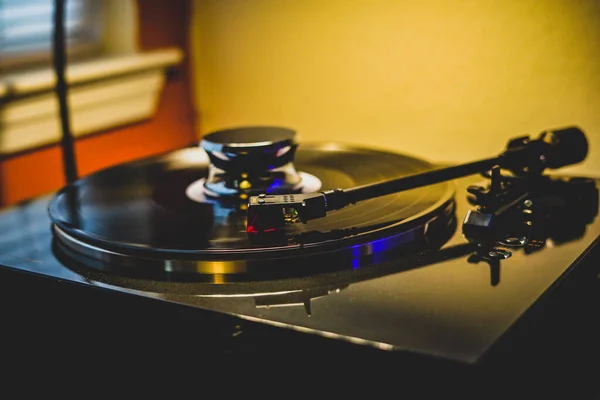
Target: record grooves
point(139, 217)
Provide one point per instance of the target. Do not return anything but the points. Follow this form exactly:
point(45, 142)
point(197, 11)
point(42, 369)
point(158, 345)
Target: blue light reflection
point(276, 184)
point(355, 257)
point(376, 249)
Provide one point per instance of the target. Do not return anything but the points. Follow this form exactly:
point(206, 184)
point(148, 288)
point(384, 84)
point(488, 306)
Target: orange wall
point(162, 24)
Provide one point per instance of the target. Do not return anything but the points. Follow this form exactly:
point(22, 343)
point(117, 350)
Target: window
point(108, 75)
point(26, 28)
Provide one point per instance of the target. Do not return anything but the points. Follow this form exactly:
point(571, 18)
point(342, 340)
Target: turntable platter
point(148, 215)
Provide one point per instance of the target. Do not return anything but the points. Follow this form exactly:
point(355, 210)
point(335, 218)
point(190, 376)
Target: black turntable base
point(157, 257)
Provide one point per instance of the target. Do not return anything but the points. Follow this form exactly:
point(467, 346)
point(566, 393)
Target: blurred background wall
point(448, 80)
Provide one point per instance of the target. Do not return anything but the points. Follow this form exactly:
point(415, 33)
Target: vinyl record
point(153, 216)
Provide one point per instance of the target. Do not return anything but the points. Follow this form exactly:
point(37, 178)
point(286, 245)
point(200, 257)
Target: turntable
point(255, 244)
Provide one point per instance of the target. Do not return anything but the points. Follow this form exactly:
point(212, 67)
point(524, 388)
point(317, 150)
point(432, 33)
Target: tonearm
point(524, 157)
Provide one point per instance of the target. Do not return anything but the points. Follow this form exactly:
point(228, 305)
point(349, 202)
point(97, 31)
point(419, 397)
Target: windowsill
point(105, 93)
point(17, 84)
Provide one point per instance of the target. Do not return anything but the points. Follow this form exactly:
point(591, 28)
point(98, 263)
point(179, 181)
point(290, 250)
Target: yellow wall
point(448, 80)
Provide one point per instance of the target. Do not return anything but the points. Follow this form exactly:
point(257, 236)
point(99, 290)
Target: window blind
point(26, 27)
